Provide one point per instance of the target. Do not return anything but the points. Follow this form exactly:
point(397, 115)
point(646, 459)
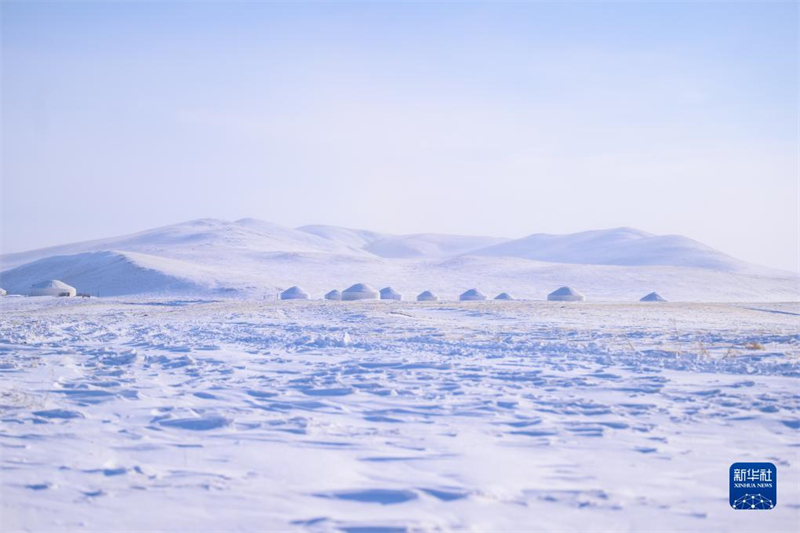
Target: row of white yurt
point(362, 291)
point(568, 294)
point(359, 291)
point(476, 295)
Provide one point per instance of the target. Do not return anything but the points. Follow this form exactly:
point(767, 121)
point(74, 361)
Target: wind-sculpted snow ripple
point(415, 417)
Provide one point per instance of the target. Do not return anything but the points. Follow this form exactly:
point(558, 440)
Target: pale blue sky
point(489, 118)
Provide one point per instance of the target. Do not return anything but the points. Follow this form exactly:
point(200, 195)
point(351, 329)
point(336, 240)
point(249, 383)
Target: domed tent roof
point(360, 291)
point(566, 294)
point(294, 293)
point(652, 297)
point(388, 293)
point(504, 296)
point(334, 295)
point(51, 284)
point(472, 294)
point(427, 296)
point(52, 287)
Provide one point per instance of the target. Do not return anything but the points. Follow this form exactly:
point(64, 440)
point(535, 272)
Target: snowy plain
point(181, 414)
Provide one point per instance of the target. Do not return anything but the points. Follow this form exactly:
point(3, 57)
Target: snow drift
point(565, 294)
point(294, 293)
point(472, 295)
point(360, 291)
point(388, 293)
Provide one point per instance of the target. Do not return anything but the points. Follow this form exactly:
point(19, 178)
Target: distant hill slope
point(429, 245)
point(355, 238)
point(191, 240)
point(620, 246)
point(107, 274)
point(403, 246)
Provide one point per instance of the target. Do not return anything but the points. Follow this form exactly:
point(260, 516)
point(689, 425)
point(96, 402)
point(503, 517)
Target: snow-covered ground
point(136, 414)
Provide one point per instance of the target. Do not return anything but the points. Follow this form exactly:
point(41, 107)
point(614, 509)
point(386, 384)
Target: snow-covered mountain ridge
point(253, 257)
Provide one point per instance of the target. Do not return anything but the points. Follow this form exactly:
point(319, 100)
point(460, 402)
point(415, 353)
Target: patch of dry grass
point(753, 345)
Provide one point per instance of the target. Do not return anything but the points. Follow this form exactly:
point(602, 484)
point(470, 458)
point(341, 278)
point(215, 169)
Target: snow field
point(198, 415)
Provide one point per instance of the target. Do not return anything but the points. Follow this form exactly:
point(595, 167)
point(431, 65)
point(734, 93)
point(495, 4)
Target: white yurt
point(53, 287)
point(388, 293)
point(652, 297)
point(294, 293)
point(472, 294)
point(566, 294)
point(2, 292)
point(427, 296)
point(334, 295)
point(360, 291)
point(504, 296)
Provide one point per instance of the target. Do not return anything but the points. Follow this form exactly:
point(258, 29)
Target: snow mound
point(388, 293)
point(565, 294)
point(294, 293)
point(427, 296)
point(360, 291)
point(472, 294)
point(53, 287)
point(334, 295)
point(652, 297)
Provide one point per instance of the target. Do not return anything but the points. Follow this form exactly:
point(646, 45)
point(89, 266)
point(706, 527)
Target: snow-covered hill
point(429, 245)
point(252, 258)
point(109, 273)
point(354, 238)
point(196, 239)
point(403, 246)
point(619, 246)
